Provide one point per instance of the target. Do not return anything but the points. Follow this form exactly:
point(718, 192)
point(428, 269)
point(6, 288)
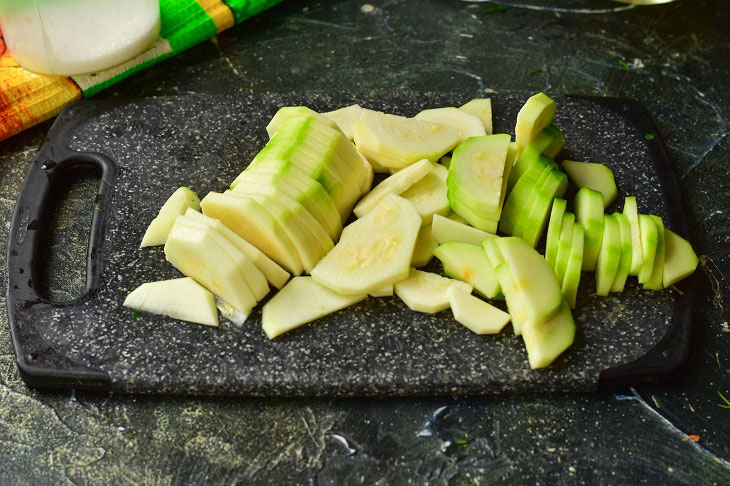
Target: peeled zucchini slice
point(548, 339)
point(252, 222)
point(470, 264)
point(655, 280)
point(429, 194)
point(649, 243)
point(426, 292)
point(276, 275)
point(553, 234)
point(624, 264)
point(680, 260)
point(288, 112)
point(396, 142)
point(482, 109)
point(589, 212)
point(179, 298)
point(467, 124)
point(374, 251)
point(571, 279)
point(395, 184)
point(195, 253)
point(447, 230)
point(475, 314)
point(386, 291)
point(180, 200)
point(302, 300)
point(425, 245)
point(345, 118)
point(593, 176)
point(537, 113)
point(609, 256)
point(631, 212)
point(475, 174)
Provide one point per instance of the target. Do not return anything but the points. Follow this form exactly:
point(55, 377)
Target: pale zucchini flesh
point(374, 251)
point(680, 259)
point(626, 250)
point(475, 314)
point(470, 264)
point(425, 245)
point(565, 242)
point(655, 279)
point(548, 339)
point(429, 194)
point(180, 200)
point(467, 124)
point(571, 279)
point(395, 184)
point(589, 212)
point(426, 292)
point(632, 213)
point(649, 243)
point(593, 176)
point(345, 117)
point(481, 108)
point(302, 300)
point(446, 229)
point(180, 298)
point(609, 256)
point(553, 234)
point(537, 113)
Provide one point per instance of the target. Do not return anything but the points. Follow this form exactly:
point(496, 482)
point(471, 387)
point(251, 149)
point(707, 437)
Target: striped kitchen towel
point(27, 98)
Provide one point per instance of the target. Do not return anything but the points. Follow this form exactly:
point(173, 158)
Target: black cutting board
point(145, 149)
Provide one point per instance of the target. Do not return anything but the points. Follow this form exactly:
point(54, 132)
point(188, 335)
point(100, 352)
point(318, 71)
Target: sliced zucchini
point(473, 217)
point(657, 274)
point(276, 275)
point(179, 298)
point(470, 264)
point(649, 243)
point(252, 222)
point(386, 291)
point(374, 251)
point(395, 184)
point(426, 292)
point(482, 109)
point(557, 143)
point(624, 264)
point(345, 118)
point(565, 242)
point(549, 338)
point(571, 279)
point(396, 142)
point(553, 234)
point(429, 194)
point(447, 230)
point(589, 212)
point(287, 112)
point(475, 314)
point(302, 300)
point(425, 245)
point(180, 200)
point(609, 256)
point(631, 212)
point(522, 206)
point(553, 186)
point(511, 295)
point(537, 113)
point(517, 197)
point(593, 176)
point(467, 124)
point(680, 260)
point(531, 155)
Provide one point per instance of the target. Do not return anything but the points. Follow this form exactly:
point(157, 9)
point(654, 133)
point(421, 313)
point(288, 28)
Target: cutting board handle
point(28, 231)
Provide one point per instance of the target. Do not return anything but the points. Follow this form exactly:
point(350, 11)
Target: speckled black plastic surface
point(378, 347)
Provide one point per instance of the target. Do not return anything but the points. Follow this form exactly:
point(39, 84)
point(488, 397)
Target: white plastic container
point(65, 37)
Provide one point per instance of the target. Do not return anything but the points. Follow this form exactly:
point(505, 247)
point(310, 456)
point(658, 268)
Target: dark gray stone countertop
point(674, 58)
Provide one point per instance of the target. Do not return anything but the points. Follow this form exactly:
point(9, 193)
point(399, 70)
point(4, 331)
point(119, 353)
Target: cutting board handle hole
point(64, 233)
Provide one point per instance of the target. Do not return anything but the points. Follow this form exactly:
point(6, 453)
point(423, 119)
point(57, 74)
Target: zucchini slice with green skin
point(540, 209)
point(519, 193)
point(549, 338)
point(609, 256)
point(571, 279)
point(523, 206)
point(426, 292)
point(553, 234)
point(649, 243)
point(637, 256)
point(481, 108)
point(655, 280)
point(593, 176)
point(557, 144)
point(429, 195)
point(470, 264)
point(530, 155)
point(374, 251)
point(475, 314)
point(249, 220)
point(287, 112)
point(396, 142)
point(511, 296)
point(565, 243)
point(395, 184)
point(474, 218)
point(537, 113)
point(179, 298)
point(180, 200)
point(589, 213)
point(467, 124)
point(625, 263)
point(475, 174)
point(447, 230)
point(680, 260)
point(302, 300)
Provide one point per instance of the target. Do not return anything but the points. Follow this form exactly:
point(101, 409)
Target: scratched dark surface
point(677, 67)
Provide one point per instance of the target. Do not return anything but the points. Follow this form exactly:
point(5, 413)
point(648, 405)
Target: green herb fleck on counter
point(461, 441)
point(727, 402)
point(535, 71)
point(495, 8)
point(136, 314)
point(624, 65)
point(649, 136)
